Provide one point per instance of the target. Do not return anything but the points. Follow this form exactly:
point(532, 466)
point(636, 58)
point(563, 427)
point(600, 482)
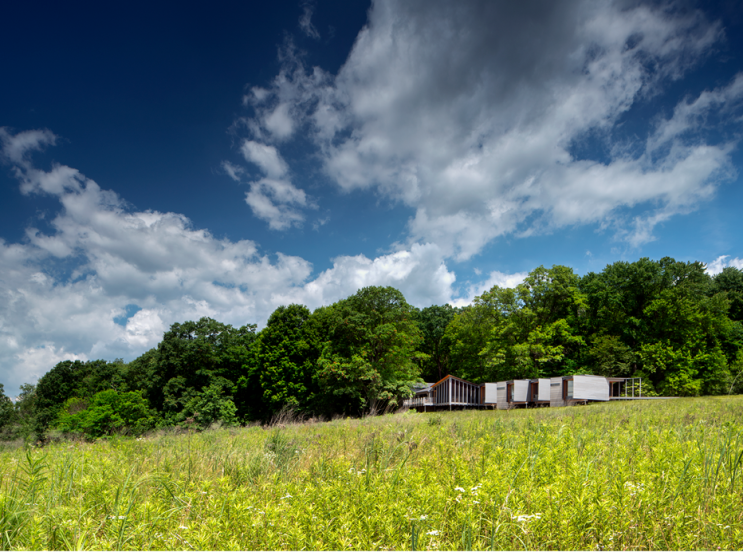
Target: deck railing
point(418, 401)
point(455, 392)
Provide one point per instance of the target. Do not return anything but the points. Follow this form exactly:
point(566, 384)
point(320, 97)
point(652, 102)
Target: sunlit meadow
point(642, 475)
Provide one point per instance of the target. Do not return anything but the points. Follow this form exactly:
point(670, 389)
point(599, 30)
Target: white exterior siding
point(556, 392)
point(501, 387)
point(520, 390)
point(491, 395)
point(590, 388)
point(544, 390)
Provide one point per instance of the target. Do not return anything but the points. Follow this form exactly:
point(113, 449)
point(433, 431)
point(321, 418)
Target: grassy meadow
point(643, 475)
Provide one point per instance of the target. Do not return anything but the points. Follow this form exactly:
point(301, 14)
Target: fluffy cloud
point(16, 146)
point(495, 278)
point(67, 290)
point(490, 118)
point(272, 198)
point(716, 266)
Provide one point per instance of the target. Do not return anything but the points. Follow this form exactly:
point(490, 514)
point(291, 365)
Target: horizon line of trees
point(668, 322)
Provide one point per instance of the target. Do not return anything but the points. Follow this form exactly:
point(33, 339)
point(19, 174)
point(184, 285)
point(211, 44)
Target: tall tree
point(191, 357)
point(467, 335)
point(730, 281)
point(286, 356)
point(7, 412)
point(433, 322)
point(372, 351)
point(535, 335)
point(72, 379)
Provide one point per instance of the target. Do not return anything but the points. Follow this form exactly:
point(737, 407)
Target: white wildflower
point(424, 517)
point(460, 489)
point(287, 496)
point(523, 518)
point(633, 488)
point(434, 532)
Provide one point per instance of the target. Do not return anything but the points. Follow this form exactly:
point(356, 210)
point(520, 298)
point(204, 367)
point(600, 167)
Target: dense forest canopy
point(668, 322)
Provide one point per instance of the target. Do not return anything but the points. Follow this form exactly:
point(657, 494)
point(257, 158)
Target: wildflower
point(434, 532)
point(526, 517)
point(475, 502)
point(633, 488)
point(424, 517)
point(287, 496)
point(460, 489)
point(182, 527)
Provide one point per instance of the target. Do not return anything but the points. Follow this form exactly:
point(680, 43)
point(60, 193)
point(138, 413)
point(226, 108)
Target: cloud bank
point(103, 281)
point(489, 119)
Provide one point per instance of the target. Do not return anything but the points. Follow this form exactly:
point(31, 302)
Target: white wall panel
point(556, 392)
point(590, 388)
point(544, 389)
point(501, 393)
point(520, 390)
point(491, 393)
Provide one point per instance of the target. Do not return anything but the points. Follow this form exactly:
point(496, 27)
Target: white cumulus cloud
point(272, 198)
point(65, 290)
point(723, 261)
point(474, 115)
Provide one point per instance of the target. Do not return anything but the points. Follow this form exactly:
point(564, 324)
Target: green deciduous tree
point(683, 349)
point(467, 335)
point(730, 281)
point(105, 413)
point(189, 358)
point(371, 354)
point(286, 359)
point(433, 322)
point(213, 404)
point(7, 410)
point(73, 379)
point(534, 335)
point(608, 356)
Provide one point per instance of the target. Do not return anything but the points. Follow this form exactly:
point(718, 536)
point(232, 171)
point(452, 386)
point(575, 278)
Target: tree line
point(668, 322)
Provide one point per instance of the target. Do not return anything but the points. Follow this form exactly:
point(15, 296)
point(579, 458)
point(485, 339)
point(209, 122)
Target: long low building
point(453, 393)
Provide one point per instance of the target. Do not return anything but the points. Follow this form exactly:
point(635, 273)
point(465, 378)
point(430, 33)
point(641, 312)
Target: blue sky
point(164, 163)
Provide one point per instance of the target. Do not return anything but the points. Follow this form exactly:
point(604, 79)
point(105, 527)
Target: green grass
point(645, 475)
